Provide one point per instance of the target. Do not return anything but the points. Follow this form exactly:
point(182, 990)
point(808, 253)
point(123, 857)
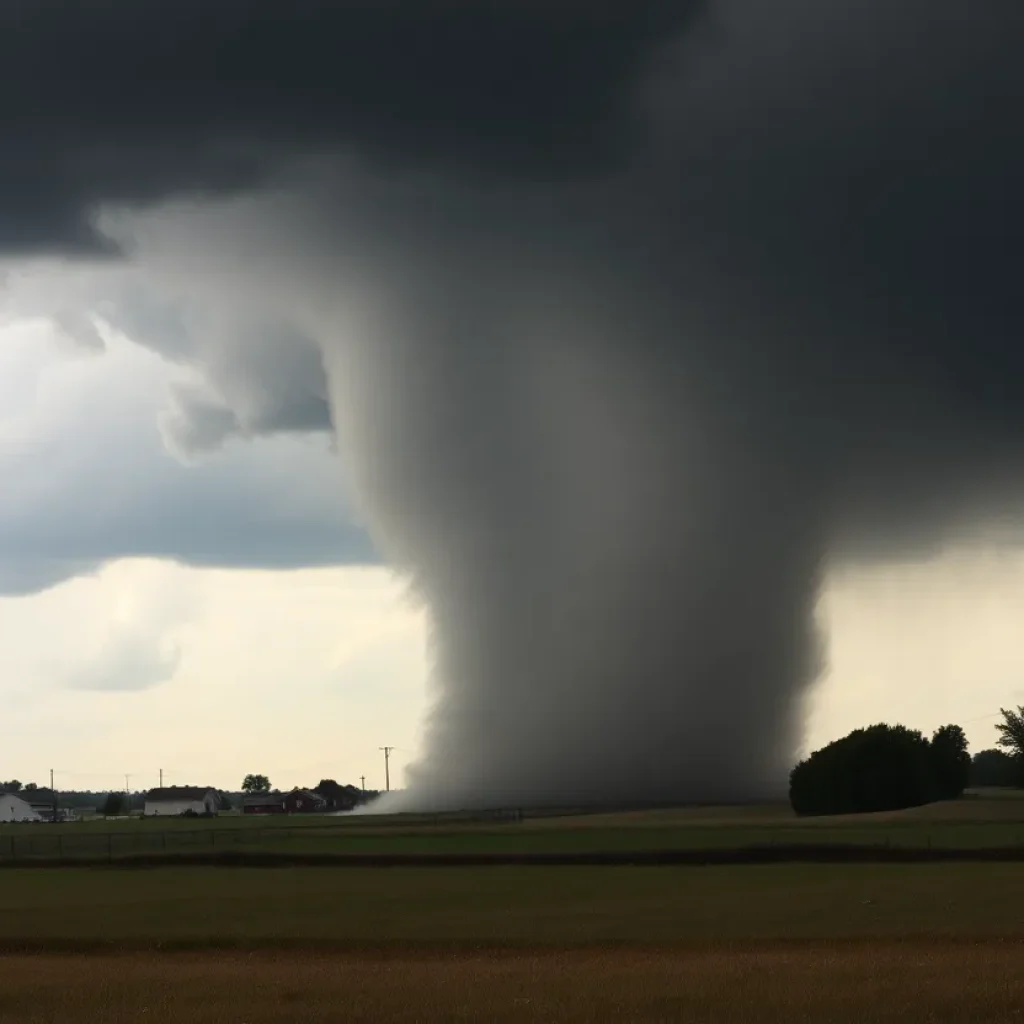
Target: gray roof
point(17, 796)
point(311, 793)
point(37, 796)
point(255, 799)
point(180, 793)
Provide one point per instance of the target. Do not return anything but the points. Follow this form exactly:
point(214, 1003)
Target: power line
point(982, 718)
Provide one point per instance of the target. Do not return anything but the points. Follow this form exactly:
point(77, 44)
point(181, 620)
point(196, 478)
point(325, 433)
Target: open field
point(786, 942)
point(78, 909)
point(909, 983)
point(986, 822)
point(867, 943)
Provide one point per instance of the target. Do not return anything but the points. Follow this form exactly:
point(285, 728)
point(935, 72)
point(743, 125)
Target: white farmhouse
point(174, 801)
point(14, 808)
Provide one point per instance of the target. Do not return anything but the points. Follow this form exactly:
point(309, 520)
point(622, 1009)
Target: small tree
point(1011, 732)
point(951, 763)
point(255, 784)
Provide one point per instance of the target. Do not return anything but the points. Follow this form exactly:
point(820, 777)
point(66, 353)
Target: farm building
point(174, 801)
point(46, 804)
point(14, 808)
point(264, 803)
point(304, 801)
point(298, 801)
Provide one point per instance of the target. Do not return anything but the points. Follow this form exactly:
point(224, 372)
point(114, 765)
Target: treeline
point(117, 803)
point(75, 799)
point(890, 767)
point(338, 796)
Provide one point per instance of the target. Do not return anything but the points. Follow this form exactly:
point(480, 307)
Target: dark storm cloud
point(207, 516)
point(128, 101)
point(852, 175)
point(671, 318)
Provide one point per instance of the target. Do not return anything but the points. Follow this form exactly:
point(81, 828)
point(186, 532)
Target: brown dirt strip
point(797, 853)
point(361, 951)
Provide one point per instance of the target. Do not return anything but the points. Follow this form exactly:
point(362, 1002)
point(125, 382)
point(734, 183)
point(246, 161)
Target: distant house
point(304, 801)
point(298, 801)
point(265, 803)
point(174, 801)
point(15, 808)
point(46, 804)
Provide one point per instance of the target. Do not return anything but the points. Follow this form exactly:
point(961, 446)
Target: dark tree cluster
point(995, 768)
point(342, 797)
point(881, 768)
point(113, 806)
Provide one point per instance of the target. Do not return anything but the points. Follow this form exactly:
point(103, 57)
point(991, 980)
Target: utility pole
point(161, 778)
point(127, 797)
point(387, 770)
point(362, 783)
point(54, 793)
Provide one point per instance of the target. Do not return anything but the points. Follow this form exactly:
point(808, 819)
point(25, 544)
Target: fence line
point(69, 844)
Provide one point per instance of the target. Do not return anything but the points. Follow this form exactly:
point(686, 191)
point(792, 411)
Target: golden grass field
point(866, 942)
point(909, 983)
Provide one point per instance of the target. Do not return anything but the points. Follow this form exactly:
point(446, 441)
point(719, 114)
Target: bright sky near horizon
point(140, 663)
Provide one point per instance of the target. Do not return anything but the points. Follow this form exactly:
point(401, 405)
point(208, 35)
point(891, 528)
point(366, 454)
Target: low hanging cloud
point(78, 329)
point(626, 326)
point(196, 421)
point(86, 479)
point(283, 392)
point(138, 639)
point(128, 662)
